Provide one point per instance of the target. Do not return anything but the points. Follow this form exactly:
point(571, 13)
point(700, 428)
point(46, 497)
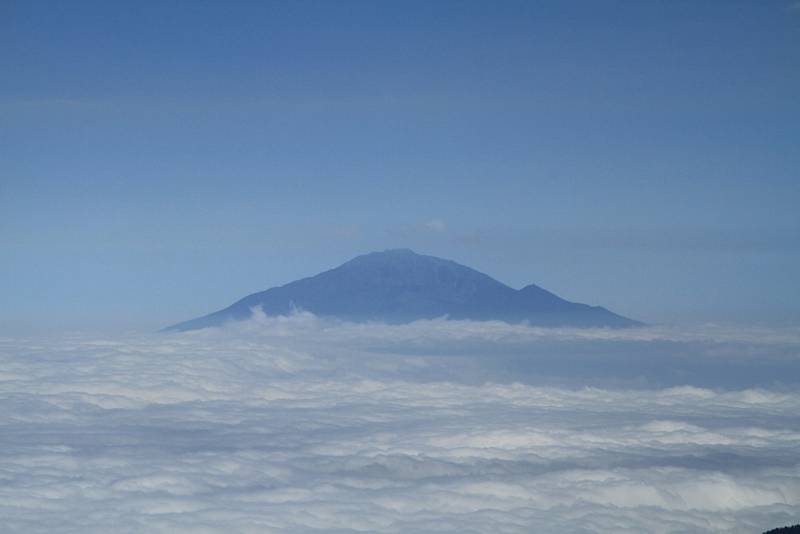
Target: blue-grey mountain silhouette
point(400, 286)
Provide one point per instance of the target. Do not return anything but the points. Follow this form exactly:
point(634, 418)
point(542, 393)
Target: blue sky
point(160, 160)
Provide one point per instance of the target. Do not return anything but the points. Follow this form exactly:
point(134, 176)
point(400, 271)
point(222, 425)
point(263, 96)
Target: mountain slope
point(399, 286)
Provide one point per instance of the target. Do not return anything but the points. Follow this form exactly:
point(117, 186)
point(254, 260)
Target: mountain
point(794, 529)
point(400, 286)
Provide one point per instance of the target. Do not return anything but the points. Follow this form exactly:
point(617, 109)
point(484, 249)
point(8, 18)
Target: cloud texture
point(302, 425)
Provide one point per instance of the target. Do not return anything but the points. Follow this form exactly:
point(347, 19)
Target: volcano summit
point(400, 286)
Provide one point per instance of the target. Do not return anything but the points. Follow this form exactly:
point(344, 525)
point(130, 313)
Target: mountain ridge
point(400, 286)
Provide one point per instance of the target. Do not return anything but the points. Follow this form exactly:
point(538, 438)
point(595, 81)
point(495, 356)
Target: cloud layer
point(301, 425)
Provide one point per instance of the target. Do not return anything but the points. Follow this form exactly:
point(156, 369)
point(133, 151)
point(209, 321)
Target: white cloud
point(436, 225)
point(304, 425)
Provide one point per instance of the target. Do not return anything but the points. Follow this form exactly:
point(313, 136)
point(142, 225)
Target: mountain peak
point(399, 286)
point(395, 255)
point(388, 255)
point(397, 252)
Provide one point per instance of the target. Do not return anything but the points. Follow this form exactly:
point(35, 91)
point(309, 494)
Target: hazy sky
point(159, 160)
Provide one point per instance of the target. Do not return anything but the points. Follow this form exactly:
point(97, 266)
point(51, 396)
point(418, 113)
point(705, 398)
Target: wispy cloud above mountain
point(437, 226)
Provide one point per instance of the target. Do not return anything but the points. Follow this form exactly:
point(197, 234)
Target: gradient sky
point(159, 160)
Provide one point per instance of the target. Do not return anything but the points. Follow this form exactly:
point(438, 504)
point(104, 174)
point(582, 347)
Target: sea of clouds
point(297, 424)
